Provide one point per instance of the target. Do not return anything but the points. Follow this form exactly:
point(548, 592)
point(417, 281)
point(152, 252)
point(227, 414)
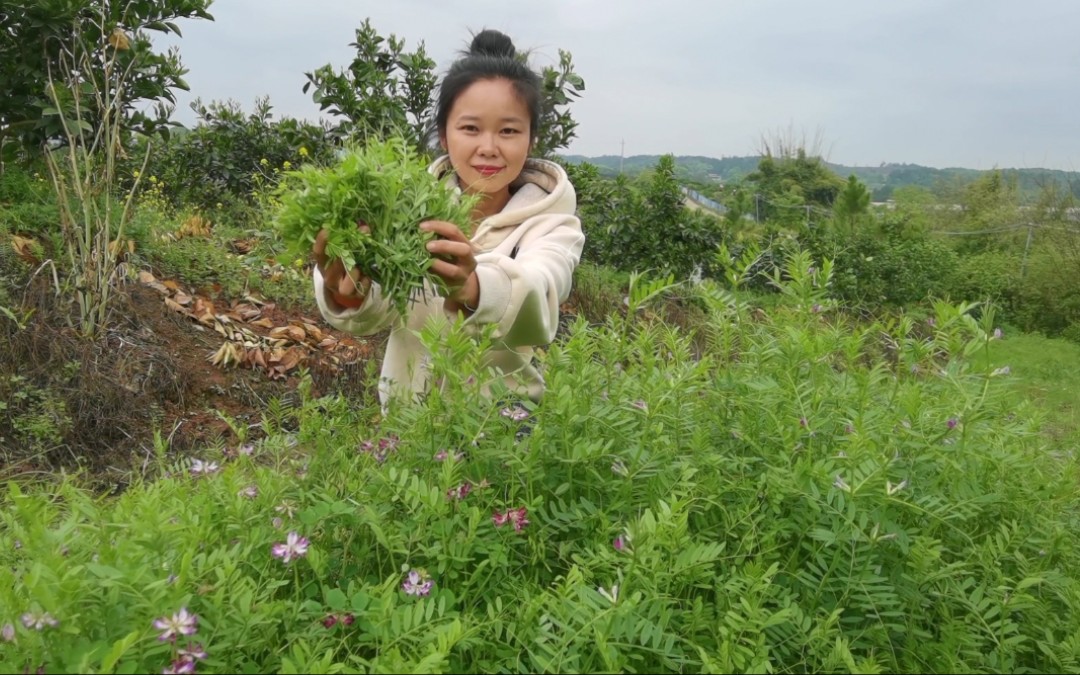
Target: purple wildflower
point(201, 468)
point(250, 492)
point(416, 584)
point(8, 632)
point(193, 651)
point(460, 492)
point(181, 623)
point(517, 413)
point(182, 664)
point(951, 424)
point(38, 621)
point(295, 546)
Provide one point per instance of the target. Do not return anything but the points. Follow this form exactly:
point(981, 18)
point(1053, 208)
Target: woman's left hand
point(454, 261)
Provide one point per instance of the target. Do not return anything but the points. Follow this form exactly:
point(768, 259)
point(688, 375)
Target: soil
point(151, 372)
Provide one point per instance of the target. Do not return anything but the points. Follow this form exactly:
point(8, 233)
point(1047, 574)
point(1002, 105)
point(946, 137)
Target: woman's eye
point(509, 131)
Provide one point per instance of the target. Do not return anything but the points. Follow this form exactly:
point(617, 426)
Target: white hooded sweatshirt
point(527, 256)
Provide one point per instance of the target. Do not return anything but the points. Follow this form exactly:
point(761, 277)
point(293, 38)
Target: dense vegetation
point(798, 435)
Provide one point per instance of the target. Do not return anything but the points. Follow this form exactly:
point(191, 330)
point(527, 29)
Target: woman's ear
point(442, 141)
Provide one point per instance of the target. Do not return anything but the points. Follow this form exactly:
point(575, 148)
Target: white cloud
point(967, 83)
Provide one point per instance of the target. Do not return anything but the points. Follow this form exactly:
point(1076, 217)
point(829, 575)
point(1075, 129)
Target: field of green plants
point(837, 442)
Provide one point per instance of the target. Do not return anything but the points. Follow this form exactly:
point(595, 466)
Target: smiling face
point(487, 136)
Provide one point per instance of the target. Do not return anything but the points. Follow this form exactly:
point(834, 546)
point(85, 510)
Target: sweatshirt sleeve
point(375, 314)
point(521, 295)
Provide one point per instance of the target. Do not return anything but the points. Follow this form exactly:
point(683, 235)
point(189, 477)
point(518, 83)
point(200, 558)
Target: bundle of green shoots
point(387, 186)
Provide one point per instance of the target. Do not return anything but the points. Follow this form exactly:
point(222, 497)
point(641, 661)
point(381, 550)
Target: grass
point(1045, 371)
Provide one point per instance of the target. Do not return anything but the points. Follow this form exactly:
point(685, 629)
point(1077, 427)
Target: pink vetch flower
point(330, 621)
point(460, 492)
point(287, 508)
point(517, 518)
point(193, 651)
point(951, 424)
point(444, 454)
point(295, 546)
point(640, 405)
point(201, 468)
point(250, 492)
point(8, 632)
point(417, 584)
point(278, 523)
point(247, 450)
point(181, 623)
point(803, 422)
point(621, 543)
point(382, 448)
point(998, 334)
point(38, 621)
point(181, 664)
point(516, 414)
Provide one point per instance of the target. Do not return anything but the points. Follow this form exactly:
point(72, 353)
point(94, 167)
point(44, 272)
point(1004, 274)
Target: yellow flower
point(263, 161)
point(153, 179)
point(286, 165)
point(303, 151)
point(136, 174)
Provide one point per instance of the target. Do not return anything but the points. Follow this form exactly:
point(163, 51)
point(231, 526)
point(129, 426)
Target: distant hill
point(881, 180)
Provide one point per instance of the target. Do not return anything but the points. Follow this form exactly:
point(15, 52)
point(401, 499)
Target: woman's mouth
point(487, 171)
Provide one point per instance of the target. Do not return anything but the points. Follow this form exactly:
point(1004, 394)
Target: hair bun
point(492, 43)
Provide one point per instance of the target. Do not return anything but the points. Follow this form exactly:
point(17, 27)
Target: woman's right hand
point(346, 289)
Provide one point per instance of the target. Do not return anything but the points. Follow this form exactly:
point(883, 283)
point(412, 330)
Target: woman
point(515, 266)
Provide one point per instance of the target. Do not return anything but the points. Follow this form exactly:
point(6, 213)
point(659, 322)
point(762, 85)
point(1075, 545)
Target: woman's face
point(487, 137)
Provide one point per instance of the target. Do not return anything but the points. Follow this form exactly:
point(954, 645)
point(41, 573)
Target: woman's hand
point(455, 262)
point(346, 289)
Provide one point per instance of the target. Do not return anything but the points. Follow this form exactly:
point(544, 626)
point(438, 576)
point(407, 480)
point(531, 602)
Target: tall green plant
point(84, 170)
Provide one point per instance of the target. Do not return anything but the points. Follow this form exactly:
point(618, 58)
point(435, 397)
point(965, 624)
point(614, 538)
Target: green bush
point(230, 158)
point(888, 267)
point(646, 227)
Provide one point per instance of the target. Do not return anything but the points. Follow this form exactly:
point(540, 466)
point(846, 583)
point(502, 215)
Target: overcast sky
point(971, 83)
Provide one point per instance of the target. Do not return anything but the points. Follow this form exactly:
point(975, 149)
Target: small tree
point(384, 92)
point(853, 203)
point(387, 91)
point(42, 39)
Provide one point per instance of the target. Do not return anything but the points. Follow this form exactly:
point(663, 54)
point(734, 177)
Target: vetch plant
point(386, 186)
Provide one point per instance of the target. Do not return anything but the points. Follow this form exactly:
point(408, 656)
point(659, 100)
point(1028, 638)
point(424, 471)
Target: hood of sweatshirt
point(542, 187)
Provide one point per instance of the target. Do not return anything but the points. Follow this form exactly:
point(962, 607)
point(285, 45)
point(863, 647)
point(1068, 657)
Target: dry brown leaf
point(171, 285)
point(175, 306)
point(260, 358)
point(119, 40)
point(262, 323)
point(202, 308)
point(146, 278)
point(255, 300)
point(292, 358)
point(280, 332)
point(182, 298)
point(328, 342)
point(158, 287)
point(276, 355)
point(23, 246)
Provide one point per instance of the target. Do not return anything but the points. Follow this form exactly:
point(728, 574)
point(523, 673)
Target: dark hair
point(490, 56)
